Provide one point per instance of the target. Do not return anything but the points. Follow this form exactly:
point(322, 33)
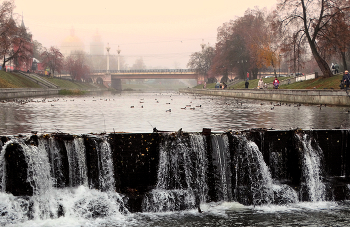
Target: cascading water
point(253, 179)
point(221, 160)
point(49, 202)
point(311, 168)
point(78, 176)
point(106, 165)
point(181, 175)
point(76, 159)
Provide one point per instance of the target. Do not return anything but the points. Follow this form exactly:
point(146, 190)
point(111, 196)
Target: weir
point(157, 172)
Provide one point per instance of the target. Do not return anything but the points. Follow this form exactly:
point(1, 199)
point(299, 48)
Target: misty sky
point(163, 33)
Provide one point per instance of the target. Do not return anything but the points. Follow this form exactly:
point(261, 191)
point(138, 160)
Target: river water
point(141, 112)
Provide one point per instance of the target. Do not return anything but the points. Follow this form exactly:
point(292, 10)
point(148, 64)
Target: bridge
point(112, 78)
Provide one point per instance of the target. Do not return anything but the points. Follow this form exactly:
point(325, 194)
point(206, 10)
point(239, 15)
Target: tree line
point(297, 34)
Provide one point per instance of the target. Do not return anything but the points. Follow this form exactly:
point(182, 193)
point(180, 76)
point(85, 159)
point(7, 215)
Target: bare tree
point(139, 64)
point(201, 61)
point(53, 59)
point(77, 65)
point(312, 18)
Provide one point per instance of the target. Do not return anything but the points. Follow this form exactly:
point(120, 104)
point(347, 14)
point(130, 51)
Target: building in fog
point(96, 46)
point(71, 44)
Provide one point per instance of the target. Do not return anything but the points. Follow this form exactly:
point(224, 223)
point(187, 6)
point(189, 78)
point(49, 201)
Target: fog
point(163, 33)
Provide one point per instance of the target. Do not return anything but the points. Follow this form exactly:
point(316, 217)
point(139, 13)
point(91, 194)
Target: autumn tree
point(15, 41)
point(77, 65)
point(201, 61)
point(53, 59)
point(312, 19)
point(245, 45)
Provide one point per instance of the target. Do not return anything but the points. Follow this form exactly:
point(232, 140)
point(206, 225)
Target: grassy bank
point(318, 83)
point(12, 80)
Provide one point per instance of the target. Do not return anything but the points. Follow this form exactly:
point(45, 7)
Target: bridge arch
point(99, 80)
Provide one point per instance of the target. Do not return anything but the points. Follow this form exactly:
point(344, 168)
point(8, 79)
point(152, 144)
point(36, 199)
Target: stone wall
point(324, 97)
point(11, 93)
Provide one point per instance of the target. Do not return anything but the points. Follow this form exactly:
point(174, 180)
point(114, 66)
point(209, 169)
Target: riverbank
point(316, 97)
point(11, 93)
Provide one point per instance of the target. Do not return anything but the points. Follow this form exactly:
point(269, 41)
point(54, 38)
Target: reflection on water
point(140, 112)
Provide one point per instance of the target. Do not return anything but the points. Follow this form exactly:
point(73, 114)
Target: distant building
point(71, 44)
point(23, 60)
point(96, 46)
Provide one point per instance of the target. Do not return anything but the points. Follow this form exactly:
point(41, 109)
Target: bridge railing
point(146, 71)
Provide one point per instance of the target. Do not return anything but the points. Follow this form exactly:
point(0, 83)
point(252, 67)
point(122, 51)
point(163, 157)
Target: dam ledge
point(143, 167)
point(307, 96)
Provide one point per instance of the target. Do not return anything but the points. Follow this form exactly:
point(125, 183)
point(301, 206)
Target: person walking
point(333, 68)
point(336, 68)
point(261, 84)
point(346, 79)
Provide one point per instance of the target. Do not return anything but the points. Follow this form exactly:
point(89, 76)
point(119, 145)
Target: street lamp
point(202, 44)
point(108, 48)
point(118, 51)
point(279, 70)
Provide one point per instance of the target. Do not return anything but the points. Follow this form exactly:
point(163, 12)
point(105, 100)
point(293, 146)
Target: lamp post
point(279, 67)
point(202, 44)
point(108, 48)
point(118, 51)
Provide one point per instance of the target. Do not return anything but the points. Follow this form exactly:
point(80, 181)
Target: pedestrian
point(246, 83)
point(346, 79)
point(336, 67)
point(261, 84)
point(333, 68)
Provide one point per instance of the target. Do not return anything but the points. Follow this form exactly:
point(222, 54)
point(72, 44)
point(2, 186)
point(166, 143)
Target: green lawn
point(319, 83)
point(12, 80)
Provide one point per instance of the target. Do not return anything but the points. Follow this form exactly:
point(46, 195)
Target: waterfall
point(311, 168)
point(254, 181)
point(49, 176)
point(38, 172)
point(106, 177)
point(76, 159)
point(181, 174)
point(221, 160)
point(44, 170)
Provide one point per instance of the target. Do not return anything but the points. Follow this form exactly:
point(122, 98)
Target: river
point(141, 112)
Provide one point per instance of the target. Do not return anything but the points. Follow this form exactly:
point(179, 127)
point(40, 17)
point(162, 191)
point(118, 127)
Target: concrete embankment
point(328, 97)
point(10, 93)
